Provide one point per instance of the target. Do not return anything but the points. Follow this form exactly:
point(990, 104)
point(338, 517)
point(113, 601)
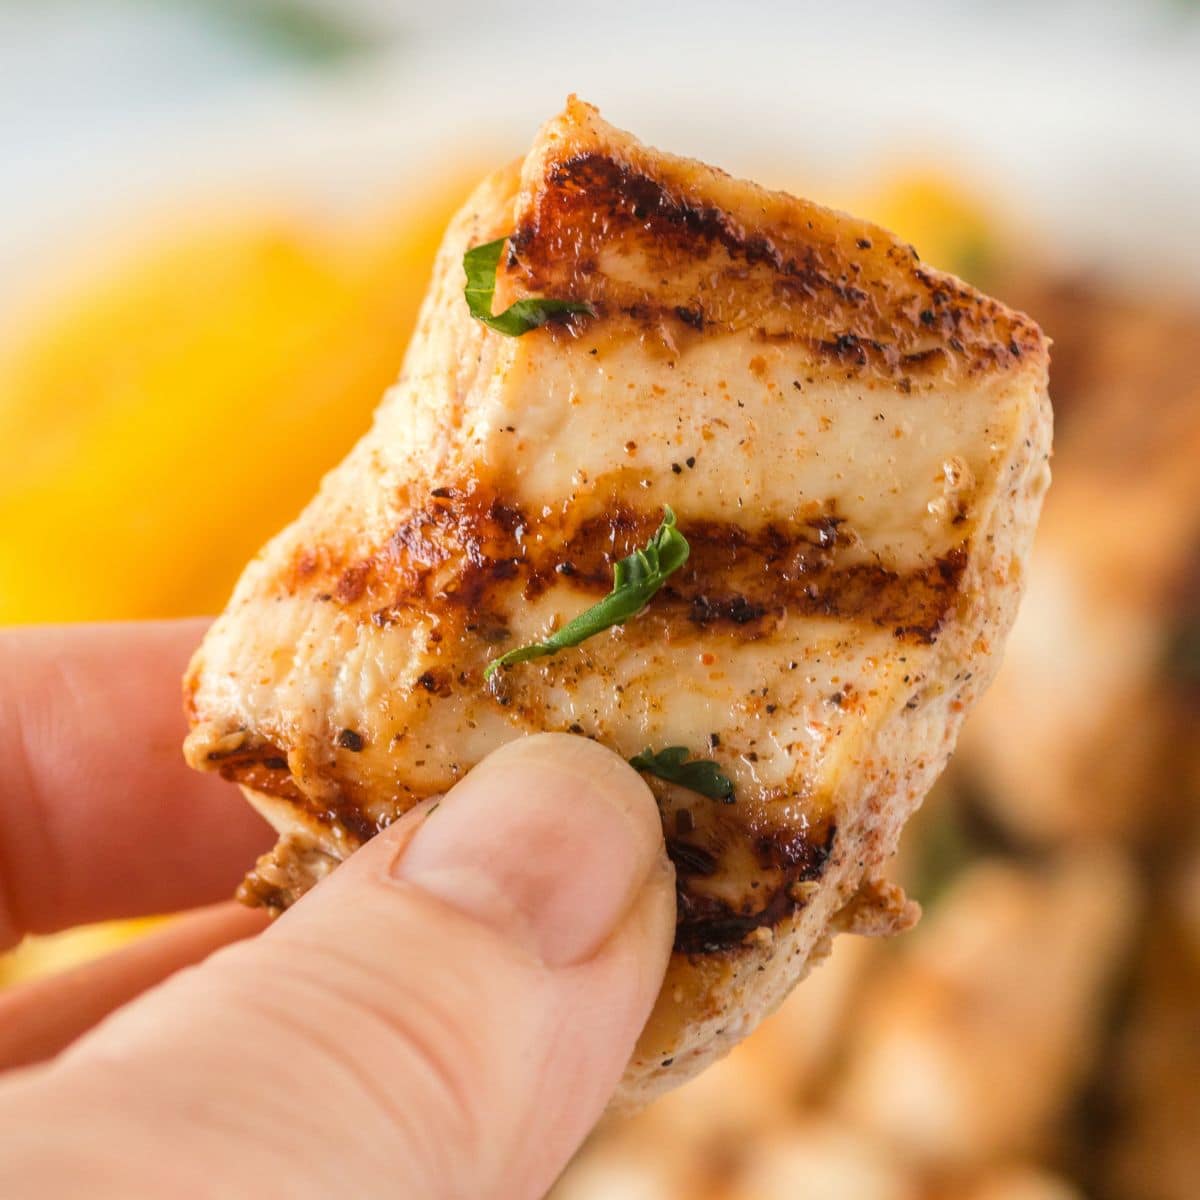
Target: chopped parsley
point(698, 774)
point(636, 579)
point(480, 264)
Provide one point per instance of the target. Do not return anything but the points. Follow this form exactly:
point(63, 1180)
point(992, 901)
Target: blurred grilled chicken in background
point(1036, 1037)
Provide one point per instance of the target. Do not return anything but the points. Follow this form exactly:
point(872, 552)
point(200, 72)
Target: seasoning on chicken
point(854, 448)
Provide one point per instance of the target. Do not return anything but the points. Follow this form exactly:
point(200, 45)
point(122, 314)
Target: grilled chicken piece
point(856, 448)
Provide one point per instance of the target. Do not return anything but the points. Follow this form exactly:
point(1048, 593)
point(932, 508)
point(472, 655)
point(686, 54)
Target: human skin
point(446, 1015)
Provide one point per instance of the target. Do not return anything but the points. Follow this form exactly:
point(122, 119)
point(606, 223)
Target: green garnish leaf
point(480, 264)
point(698, 775)
point(635, 581)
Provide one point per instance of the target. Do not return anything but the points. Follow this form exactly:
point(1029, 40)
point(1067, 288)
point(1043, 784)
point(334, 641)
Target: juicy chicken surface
point(856, 449)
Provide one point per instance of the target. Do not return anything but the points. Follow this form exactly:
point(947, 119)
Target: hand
point(446, 1015)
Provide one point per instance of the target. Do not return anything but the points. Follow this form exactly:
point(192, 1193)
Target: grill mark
point(706, 610)
point(708, 925)
point(691, 860)
point(861, 303)
point(629, 200)
point(459, 552)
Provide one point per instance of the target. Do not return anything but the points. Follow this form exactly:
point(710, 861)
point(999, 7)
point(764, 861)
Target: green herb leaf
point(699, 775)
point(480, 264)
point(635, 581)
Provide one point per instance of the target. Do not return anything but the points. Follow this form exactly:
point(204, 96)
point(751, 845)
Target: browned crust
point(468, 542)
point(878, 909)
point(708, 924)
point(286, 871)
point(264, 768)
point(853, 295)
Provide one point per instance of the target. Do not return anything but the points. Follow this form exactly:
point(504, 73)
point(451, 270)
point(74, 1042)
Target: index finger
point(99, 816)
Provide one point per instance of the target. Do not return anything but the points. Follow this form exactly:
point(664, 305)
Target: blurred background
point(217, 218)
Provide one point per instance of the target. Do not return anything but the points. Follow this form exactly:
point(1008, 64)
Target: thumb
point(445, 1016)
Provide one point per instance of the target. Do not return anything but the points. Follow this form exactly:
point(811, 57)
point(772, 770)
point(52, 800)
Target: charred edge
point(914, 604)
point(706, 610)
point(469, 544)
point(849, 347)
point(691, 860)
point(806, 266)
point(707, 925)
point(632, 200)
point(254, 892)
point(264, 768)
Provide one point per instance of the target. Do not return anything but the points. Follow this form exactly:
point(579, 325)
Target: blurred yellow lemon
point(170, 417)
point(43, 955)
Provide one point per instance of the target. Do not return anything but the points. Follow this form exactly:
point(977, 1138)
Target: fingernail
point(547, 841)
